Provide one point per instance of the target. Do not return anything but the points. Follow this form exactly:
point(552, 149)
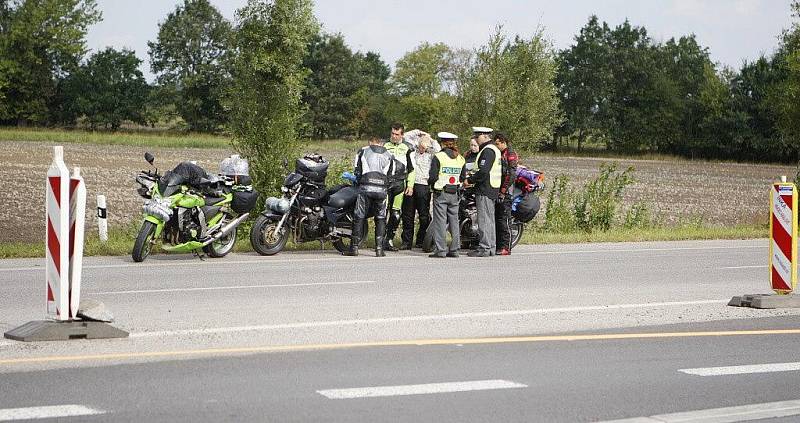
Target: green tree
point(332, 89)
point(510, 86)
point(40, 42)
point(583, 79)
point(371, 115)
point(268, 79)
point(108, 90)
point(422, 71)
point(786, 98)
point(189, 57)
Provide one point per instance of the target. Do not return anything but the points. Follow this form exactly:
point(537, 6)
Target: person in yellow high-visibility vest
point(401, 150)
point(444, 178)
point(486, 179)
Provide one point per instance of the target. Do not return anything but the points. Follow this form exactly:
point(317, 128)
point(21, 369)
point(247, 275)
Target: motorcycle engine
point(188, 225)
point(312, 224)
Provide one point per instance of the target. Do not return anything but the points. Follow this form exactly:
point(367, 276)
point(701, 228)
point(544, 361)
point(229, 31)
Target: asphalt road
point(290, 337)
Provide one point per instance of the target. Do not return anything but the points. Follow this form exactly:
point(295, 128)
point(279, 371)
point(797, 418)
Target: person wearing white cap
point(445, 176)
point(486, 178)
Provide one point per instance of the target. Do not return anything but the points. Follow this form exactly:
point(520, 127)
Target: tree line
point(614, 86)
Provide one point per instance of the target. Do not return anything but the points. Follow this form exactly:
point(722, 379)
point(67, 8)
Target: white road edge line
point(418, 318)
point(742, 370)
point(742, 413)
point(47, 412)
point(423, 389)
point(222, 288)
point(744, 267)
point(351, 259)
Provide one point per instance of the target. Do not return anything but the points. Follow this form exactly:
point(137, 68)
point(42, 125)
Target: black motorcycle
point(308, 210)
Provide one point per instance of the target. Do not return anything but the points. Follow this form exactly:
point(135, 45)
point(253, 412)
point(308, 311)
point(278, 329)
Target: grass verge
point(157, 139)
point(120, 242)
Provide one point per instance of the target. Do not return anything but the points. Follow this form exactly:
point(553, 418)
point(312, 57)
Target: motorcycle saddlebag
point(527, 208)
point(313, 197)
point(244, 201)
point(315, 168)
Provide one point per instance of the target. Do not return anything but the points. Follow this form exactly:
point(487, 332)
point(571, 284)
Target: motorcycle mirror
point(149, 157)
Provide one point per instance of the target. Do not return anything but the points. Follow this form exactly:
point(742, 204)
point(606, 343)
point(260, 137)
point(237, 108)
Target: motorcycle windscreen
point(170, 183)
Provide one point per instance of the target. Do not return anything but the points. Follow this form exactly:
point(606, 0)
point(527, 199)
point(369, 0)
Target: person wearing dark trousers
point(418, 194)
point(486, 179)
point(444, 177)
point(502, 211)
point(373, 165)
point(401, 150)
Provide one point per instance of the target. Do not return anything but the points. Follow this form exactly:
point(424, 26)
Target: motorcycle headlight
point(278, 205)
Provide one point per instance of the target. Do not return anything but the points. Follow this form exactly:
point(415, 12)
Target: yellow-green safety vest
point(449, 170)
point(496, 172)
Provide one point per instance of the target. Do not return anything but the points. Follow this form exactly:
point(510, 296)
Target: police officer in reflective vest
point(486, 179)
point(372, 169)
point(445, 177)
point(401, 150)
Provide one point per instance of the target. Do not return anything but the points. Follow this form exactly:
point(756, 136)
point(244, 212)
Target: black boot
point(394, 223)
point(355, 238)
point(380, 229)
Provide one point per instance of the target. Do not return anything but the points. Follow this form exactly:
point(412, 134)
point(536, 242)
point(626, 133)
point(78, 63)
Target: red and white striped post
point(783, 237)
point(77, 221)
point(57, 238)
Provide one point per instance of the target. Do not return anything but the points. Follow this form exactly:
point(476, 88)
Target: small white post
point(102, 217)
point(783, 179)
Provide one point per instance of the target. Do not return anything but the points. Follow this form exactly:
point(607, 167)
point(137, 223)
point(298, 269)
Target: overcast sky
point(733, 30)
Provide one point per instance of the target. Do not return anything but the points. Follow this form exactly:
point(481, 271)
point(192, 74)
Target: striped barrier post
point(783, 237)
point(57, 238)
point(102, 218)
point(77, 222)
point(66, 317)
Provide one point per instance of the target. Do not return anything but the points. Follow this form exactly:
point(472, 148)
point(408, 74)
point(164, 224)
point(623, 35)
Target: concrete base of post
point(50, 330)
point(766, 301)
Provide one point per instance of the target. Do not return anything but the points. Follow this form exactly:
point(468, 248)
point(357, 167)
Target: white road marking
point(742, 370)
point(427, 388)
point(338, 258)
point(222, 288)
point(47, 412)
point(743, 413)
point(419, 318)
point(745, 267)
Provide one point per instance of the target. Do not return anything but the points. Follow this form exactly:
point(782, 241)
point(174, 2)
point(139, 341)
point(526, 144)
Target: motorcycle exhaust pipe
point(227, 229)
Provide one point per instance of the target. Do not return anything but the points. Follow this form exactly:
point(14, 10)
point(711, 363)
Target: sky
point(733, 30)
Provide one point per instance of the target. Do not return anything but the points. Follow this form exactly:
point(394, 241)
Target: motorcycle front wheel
point(144, 242)
point(265, 238)
point(221, 248)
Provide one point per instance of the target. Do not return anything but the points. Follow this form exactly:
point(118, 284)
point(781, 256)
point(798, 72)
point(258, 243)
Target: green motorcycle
point(190, 211)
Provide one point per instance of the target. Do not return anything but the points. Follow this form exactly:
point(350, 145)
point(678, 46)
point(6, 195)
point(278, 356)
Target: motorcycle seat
point(343, 198)
point(210, 201)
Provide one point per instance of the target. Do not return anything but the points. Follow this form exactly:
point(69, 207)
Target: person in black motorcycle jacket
point(373, 165)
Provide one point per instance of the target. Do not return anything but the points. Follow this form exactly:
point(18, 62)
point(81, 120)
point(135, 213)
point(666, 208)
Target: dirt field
point(717, 194)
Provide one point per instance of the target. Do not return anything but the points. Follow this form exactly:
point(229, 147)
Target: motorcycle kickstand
point(198, 255)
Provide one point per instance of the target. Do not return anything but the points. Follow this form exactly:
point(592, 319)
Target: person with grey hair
point(418, 194)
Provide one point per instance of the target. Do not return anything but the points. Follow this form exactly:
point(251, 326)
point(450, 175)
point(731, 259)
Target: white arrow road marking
point(419, 318)
point(48, 412)
point(427, 388)
point(742, 370)
point(743, 413)
point(218, 288)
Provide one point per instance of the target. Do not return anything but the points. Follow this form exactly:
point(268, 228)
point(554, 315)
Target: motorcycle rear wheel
point(265, 239)
point(517, 228)
point(221, 248)
point(144, 242)
point(343, 243)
